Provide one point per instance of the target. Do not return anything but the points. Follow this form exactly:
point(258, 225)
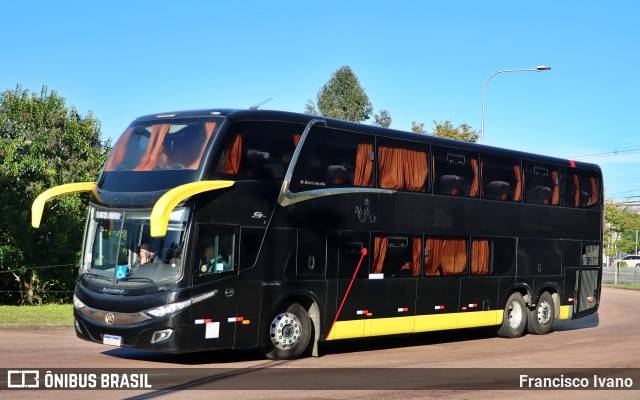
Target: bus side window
point(257, 150)
point(570, 188)
point(541, 184)
point(492, 256)
point(395, 256)
point(402, 168)
point(455, 172)
point(589, 191)
point(332, 158)
point(501, 179)
point(445, 256)
point(216, 253)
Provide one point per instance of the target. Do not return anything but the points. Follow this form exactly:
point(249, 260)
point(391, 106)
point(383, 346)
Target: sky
point(423, 61)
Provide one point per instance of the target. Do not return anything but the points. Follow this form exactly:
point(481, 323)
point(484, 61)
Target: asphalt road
point(608, 339)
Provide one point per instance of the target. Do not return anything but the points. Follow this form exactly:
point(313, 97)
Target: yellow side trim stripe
point(37, 208)
point(564, 312)
point(162, 209)
point(411, 324)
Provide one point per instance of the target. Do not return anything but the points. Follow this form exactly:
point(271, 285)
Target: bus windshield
point(162, 145)
point(119, 247)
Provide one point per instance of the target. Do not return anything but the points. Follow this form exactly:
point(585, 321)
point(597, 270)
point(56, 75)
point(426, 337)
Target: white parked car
point(631, 260)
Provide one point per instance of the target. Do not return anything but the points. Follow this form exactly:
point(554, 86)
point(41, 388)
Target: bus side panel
point(437, 303)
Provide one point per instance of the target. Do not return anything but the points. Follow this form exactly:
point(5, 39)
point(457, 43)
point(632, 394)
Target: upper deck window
point(501, 179)
point(541, 183)
point(455, 172)
point(258, 150)
point(332, 158)
point(402, 168)
point(161, 145)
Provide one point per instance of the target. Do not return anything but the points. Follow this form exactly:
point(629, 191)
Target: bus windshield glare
point(119, 247)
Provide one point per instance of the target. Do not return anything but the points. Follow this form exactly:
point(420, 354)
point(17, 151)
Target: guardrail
point(627, 275)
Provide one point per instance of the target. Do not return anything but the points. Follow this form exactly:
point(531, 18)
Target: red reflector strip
point(571, 299)
point(572, 163)
point(235, 319)
point(403, 309)
point(362, 312)
point(439, 307)
point(473, 305)
point(202, 321)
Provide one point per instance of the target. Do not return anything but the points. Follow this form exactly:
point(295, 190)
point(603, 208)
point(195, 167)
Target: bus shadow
point(589, 321)
point(404, 341)
point(218, 357)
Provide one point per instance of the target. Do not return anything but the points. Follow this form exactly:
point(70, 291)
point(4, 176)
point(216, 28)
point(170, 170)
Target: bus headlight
point(168, 309)
point(77, 303)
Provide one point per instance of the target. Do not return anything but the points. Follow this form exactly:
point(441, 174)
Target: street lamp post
point(484, 91)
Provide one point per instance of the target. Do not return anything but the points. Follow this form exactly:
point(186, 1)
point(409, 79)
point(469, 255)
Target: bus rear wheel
point(289, 333)
point(514, 321)
point(542, 316)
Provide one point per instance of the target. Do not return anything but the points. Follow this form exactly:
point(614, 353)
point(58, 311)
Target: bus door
point(214, 319)
point(351, 299)
point(588, 287)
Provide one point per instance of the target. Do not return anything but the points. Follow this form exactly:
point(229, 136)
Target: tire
point(541, 318)
point(514, 321)
point(288, 334)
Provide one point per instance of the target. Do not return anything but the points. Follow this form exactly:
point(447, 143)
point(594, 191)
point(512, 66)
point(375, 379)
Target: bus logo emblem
point(110, 318)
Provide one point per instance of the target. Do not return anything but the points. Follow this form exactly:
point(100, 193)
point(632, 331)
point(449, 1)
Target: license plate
point(112, 340)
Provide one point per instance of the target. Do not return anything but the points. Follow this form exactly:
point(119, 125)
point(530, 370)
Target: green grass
point(622, 286)
point(51, 314)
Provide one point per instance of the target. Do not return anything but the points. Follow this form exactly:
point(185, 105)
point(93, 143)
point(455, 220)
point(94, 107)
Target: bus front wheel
point(289, 333)
point(514, 321)
point(542, 316)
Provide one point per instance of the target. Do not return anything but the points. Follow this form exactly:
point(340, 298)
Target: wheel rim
point(514, 317)
point(544, 313)
point(285, 331)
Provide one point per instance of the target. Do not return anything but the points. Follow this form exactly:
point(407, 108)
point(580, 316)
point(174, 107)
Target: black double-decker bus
point(225, 229)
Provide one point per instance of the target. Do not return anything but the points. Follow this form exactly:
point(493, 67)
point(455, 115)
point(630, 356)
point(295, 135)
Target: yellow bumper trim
point(162, 209)
point(37, 208)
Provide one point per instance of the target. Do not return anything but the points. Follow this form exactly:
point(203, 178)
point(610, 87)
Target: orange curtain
point(433, 170)
point(379, 252)
point(433, 259)
point(364, 166)
point(119, 151)
point(390, 168)
point(154, 148)
point(556, 193)
point(415, 169)
point(417, 250)
point(480, 257)
point(473, 192)
point(296, 139)
point(594, 191)
point(518, 193)
point(576, 195)
point(454, 256)
point(233, 155)
point(209, 127)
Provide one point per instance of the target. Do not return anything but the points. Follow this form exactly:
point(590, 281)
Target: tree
point(418, 128)
point(43, 144)
point(620, 229)
point(342, 97)
point(462, 132)
point(383, 119)
point(446, 130)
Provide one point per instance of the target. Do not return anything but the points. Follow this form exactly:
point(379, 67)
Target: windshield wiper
point(140, 278)
point(91, 274)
